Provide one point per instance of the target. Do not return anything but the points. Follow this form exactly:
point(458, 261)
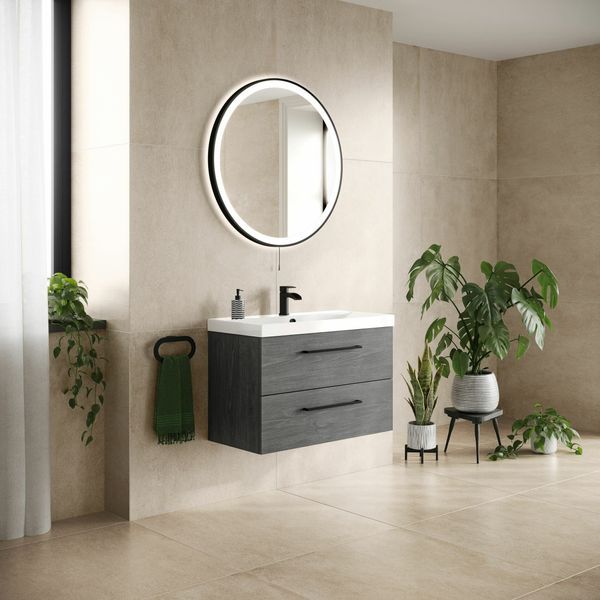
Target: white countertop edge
point(246, 328)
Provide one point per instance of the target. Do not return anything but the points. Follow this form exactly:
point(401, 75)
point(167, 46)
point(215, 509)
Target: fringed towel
point(174, 410)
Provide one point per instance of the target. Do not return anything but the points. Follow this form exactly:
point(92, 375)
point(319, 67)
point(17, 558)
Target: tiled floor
point(528, 528)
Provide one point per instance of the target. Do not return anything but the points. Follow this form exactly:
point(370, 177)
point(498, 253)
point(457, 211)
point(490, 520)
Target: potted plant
point(422, 388)
point(480, 330)
point(544, 429)
point(66, 307)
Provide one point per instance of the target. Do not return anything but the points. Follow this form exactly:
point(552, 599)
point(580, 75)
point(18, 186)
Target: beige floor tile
point(262, 528)
point(539, 536)
point(401, 564)
point(526, 472)
point(398, 494)
point(585, 586)
point(582, 492)
point(67, 527)
point(241, 586)
point(124, 561)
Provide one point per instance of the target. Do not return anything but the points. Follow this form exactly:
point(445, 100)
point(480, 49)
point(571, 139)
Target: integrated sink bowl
point(300, 323)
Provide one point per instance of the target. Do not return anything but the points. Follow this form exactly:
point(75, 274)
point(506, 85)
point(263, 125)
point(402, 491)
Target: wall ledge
point(54, 327)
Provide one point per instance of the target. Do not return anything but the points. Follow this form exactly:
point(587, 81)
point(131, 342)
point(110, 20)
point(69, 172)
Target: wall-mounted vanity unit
point(275, 384)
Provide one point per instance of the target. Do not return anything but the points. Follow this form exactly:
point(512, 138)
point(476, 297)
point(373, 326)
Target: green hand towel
point(174, 410)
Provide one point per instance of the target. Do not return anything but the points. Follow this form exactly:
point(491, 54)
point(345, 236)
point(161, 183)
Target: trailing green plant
point(67, 299)
point(423, 387)
point(480, 330)
point(541, 425)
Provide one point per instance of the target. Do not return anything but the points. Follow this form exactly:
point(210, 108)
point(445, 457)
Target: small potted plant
point(480, 330)
point(544, 429)
point(422, 388)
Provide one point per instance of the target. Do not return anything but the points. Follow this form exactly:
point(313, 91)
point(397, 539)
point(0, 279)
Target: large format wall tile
point(549, 114)
point(406, 119)
point(186, 262)
point(173, 477)
point(187, 56)
point(100, 244)
point(348, 263)
point(554, 219)
point(77, 471)
point(117, 423)
point(564, 374)
point(458, 101)
point(343, 53)
point(100, 73)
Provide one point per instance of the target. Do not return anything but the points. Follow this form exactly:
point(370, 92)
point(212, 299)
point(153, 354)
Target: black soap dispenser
point(238, 306)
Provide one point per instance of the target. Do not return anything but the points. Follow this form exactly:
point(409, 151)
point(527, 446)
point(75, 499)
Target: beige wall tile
point(77, 470)
point(116, 416)
point(554, 219)
point(167, 478)
point(563, 375)
point(186, 262)
point(348, 263)
point(406, 118)
point(100, 245)
point(100, 73)
point(188, 56)
point(343, 53)
point(549, 114)
point(458, 102)
point(333, 458)
point(460, 214)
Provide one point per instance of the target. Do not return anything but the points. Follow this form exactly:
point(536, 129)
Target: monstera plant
point(480, 330)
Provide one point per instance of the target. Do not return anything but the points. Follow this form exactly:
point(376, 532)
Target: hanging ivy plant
point(67, 299)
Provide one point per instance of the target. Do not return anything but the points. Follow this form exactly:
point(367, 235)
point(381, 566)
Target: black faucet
point(284, 296)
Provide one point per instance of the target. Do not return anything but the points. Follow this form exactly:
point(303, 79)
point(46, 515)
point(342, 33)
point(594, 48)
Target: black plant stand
point(476, 419)
point(422, 452)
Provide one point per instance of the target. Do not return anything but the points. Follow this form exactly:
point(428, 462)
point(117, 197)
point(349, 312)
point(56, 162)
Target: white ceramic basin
point(298, 323)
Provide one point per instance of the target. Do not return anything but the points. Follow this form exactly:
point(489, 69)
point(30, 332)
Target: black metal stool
point(476, 419)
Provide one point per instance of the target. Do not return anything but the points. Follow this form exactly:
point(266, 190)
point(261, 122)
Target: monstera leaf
point(419, 266)
point(532, 314)
point(444, 278)
point(501, 281)
point(479, 304)
point(496, 338)
point(547, 281)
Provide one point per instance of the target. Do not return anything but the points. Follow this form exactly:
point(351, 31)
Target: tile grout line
point(555, 583)
point(60, 537)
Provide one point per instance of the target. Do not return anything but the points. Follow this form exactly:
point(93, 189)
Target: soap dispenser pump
point(238, 306)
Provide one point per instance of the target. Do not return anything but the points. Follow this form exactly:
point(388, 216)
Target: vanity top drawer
point(315, 416)
point(303, 362)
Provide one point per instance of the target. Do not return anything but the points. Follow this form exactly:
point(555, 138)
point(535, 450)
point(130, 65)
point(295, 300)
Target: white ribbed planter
point(475, 393)
point(421, 436)
point(550, 445)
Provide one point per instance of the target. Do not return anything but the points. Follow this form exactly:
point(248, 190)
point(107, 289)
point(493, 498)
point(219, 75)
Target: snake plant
point(423, 387)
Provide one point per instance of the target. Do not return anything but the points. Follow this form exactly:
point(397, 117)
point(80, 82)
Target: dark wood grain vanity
point(275, 393)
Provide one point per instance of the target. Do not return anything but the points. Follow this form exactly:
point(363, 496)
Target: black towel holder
point(174, 338)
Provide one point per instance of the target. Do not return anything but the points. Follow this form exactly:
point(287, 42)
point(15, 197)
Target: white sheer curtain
point(24, 386)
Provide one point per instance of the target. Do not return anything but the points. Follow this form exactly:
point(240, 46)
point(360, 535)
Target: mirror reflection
point(279, 162)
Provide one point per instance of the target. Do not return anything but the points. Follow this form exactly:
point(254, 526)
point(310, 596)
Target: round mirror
point(275, 162)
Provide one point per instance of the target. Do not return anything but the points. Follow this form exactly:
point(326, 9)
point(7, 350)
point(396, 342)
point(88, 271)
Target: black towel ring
point(174, 338)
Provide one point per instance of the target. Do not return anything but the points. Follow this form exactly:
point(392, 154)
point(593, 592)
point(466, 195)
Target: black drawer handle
point(324, 406)
point(355, 347)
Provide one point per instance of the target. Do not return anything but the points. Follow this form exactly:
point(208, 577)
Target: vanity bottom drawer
point(311, 417)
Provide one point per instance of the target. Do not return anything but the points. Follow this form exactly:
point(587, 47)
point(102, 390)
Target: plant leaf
point(460, 362)
point(532, 315)
point(496, 338)
point(420, 265)
point(547, 281)
point(434, 329)
point(522, 345)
